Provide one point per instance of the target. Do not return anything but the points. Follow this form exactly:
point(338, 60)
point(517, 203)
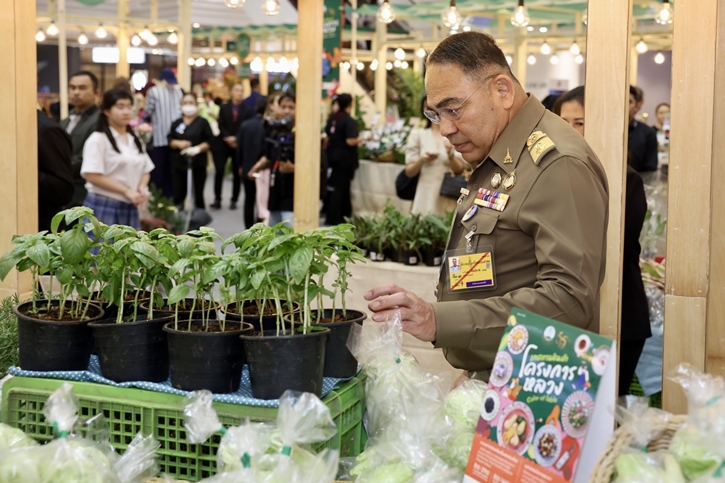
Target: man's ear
point(504, 87)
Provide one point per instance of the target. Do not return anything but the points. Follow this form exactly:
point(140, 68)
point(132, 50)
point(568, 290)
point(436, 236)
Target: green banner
point(91, 3)
point(231, 45)
point(244, 70)
point(243, 45)
point(331, 48)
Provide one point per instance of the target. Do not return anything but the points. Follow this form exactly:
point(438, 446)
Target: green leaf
point(113, 231)
point(145, 249)
point(257, 279)
point(55, 223)
point(73, 246)
point(7, 262)
point(40, 254)
point(214, 272)
point(64, 276)
point(300, 263)
point(186, 248)
point(177, 294)
point(83, 291)
point(25, 264)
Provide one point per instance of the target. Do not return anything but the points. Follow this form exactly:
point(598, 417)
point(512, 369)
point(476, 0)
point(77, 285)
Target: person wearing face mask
point(189, 140)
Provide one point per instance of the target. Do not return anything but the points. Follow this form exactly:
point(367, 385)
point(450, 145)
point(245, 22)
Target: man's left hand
point(416, 315)
point(231, 141)
point(286, 167)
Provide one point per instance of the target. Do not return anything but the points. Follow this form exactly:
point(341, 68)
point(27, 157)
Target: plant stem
point(306, 320)
point(119, 317)
point(151, 299)
point(176, 316)
point(35, 290)
point(135, 304)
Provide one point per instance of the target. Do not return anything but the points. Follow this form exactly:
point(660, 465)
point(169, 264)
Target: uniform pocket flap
point(482, 222)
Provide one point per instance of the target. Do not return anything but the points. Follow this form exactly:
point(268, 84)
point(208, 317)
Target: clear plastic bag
point(200, 419)
point(138, 462)
point(242, 446)
point(14, 438)
point(302, 419)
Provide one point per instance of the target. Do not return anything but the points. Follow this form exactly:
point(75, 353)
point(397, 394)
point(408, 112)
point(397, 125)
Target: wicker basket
point(622, 439)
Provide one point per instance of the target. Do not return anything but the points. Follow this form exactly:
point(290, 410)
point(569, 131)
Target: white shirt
point(126, 167)
point(163, 106)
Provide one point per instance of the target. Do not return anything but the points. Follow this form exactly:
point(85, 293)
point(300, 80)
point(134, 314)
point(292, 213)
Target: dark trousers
point(338, 205)
point(221, 152)
point(163, 174)
point(198, 176)
point(629, 353)
point(250, 200)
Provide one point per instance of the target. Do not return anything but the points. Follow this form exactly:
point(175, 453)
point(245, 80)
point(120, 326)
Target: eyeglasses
point(452, 114)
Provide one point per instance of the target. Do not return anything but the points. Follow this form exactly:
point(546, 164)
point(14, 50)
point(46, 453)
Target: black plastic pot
point(432, 258)
point(206, 360)
point(278, 363)
point(375, 256)
point(198, 313)
point(409, 257)
point(46, 345)
point(269, 322)
point(132, 351)
point(339, 362)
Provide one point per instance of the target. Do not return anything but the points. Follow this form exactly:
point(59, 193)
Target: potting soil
point(93, 374)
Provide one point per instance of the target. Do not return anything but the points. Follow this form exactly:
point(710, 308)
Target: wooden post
point(520, 55)
point(62, 60)
point(123, 69)
point(18, 133)
point(691, 206)
point(264, 76)
point(381, 74)
point(633, 66)
point(309, 105)
point(183, 49)
point(606, 131)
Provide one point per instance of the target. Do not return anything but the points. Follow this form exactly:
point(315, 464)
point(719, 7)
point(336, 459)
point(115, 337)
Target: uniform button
point(475, 186)
point(474, 228)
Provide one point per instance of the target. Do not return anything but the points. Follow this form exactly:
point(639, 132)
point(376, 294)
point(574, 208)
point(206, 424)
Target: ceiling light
point(135, 40)
point(39, 36)
point(543, 30)
point(270, 7)
point(574, 49)
point(585, 16)
point(386, 14)
point(345, 65)
point(397, 63)
point(234, 3)
point(223, 62)
point(545, 48)
point(374, 64)
point(641, 47)
point(256, 65)
point(101, 32)
point(579, 59)
point(659, 58)
point(530, 28)
point(360, 66)
point(200, 62)
point(404, 64)
point(520, 18)
point(421, 52)
point(52, 29)
point(389, 65)
point(156, 51)
point(152, 40)
point(82, 39)
point(284, 65)
point(234, 61)
point(664, 14)
point(196, 25)
point(509, 59)
point(531, 59)
point(172, 38)
point(554, 59)
point(211, 62)
point(466, 28)
point(451, 16)
point(190, 61)
point(399, 54)
point(145, 33)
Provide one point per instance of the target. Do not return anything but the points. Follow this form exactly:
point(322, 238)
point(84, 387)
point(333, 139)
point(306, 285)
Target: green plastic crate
point(635, 389)
point(129, 411)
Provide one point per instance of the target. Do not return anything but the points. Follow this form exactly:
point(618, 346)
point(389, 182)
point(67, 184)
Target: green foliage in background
point(8, 334)
point(407, 89)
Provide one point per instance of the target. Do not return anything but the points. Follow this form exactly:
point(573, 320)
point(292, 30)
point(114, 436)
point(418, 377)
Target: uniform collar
point(514, 136)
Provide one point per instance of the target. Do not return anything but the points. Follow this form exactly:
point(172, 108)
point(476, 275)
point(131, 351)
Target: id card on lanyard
point(469, 271)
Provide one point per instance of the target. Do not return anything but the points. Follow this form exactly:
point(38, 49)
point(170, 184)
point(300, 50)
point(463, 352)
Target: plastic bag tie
point(60, 434)
point(397, 361)
point(287, 450)
point(246, 460)
point(223, 430)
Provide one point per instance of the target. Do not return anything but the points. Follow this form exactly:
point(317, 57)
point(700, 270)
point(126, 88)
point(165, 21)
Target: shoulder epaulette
point(539, 143)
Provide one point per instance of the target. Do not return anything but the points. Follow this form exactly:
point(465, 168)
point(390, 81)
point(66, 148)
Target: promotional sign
point(549, 389)
point(244, 43)
point(332, 55)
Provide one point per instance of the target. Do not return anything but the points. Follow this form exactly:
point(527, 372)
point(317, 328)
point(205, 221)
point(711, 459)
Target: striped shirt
point(163, 107)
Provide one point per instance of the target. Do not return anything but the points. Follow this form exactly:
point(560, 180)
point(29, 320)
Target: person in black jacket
point(55, 173)
point(231, 116)
point(250, 148)
point(635, 307)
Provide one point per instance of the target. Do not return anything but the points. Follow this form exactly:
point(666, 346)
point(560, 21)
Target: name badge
point(470, 271)
point(181, 128)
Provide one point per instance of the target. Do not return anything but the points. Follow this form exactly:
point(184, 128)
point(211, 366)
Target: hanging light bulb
point(574, 49)
point(256, 65)
point(520, 18)
point(52, 29)
point(39, 36)
point(152, 40)
point(101, 32)
point(389, 65)
point(397, 63)
point(509, 59)
point(145, 33)
point(386, 14)
point(270, 7)
point(211, 62)
point(234, 3)
point(531, 59)
point(554, 59)
point(545, 48)
point(374, 64)
point(579, 59)
point(421, 52)
point(234, 61)
point(284, 65)
point(399, 54)
point(346, 65)
point(585, 16)
point(135, 40)
point(191, 61)
point(200, 62)
point(451, 16)
point(360, 66)
point(196, 25)
point(173, 38)
point(543, 30)
point(659, 58)
point(82, 39)
point(466, 28)
point(530, 28)
point(641, 47)
point(404, 64)
point(664, 14)
point(224, 62)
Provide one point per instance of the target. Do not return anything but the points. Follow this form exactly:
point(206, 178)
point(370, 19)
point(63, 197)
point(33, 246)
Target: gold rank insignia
point(539, 143)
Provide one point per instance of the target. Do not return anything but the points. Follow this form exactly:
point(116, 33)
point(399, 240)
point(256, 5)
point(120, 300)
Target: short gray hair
point(473, 52)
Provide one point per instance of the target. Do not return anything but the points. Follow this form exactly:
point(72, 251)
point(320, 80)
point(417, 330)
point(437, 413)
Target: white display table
point(373, 186)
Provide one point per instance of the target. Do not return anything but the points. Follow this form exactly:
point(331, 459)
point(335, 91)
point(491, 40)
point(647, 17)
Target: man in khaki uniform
point(536, 202)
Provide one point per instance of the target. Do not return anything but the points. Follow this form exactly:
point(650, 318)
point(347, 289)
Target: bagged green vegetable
point(14, 438)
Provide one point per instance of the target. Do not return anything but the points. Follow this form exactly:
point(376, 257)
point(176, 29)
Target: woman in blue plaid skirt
point(115, 164)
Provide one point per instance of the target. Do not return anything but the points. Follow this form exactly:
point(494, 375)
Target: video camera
point(280, 137)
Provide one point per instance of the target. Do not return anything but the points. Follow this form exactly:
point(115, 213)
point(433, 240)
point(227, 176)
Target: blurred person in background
point(115, 164)
point(342, 156)
point(642, 145)
point(189, 139)
point(251, 102)
point(635, 307)
point(662, 121)
point(250, 149)
point(55, 174)
point(431, 155)
point(262, 177)
point(83, 92)
point(163, 102)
